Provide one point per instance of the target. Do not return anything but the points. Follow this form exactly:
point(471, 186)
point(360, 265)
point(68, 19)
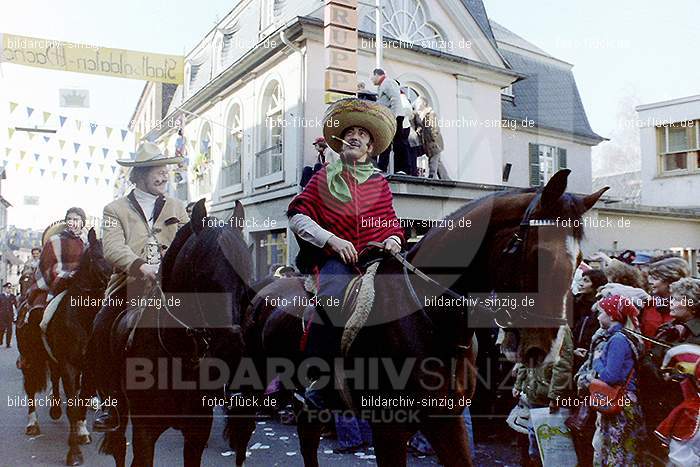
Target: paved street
point(272, 444)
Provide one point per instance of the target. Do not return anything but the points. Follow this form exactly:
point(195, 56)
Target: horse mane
point(181, 237)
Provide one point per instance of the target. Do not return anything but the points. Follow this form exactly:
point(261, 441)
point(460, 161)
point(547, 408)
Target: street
point(272, 444)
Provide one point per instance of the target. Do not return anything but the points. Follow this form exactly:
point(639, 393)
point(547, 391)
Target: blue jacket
point(616, 360)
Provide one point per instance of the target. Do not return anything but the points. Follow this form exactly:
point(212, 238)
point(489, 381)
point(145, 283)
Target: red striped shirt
point(368, 217)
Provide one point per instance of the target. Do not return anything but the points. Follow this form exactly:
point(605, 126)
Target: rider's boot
point(107, 416)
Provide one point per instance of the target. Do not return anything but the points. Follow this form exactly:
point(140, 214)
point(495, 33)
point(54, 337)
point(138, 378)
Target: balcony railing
point(268, 161)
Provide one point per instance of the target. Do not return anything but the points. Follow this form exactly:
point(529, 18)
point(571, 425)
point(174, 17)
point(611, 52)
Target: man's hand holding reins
point(149, 271)
point(392, 246)
point(344, 249)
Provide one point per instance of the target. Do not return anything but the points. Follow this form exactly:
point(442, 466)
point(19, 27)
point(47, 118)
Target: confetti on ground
point(359, 454)
point(269, 434)
point(227, 453)
point(291, 453)
point(265, 446)
point(262, 423)
point(284, 438)
point(267, 429)
point(256, 446)
point(328, 451)
point(369, 456)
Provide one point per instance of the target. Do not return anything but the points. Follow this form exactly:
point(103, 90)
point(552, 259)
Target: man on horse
point(137, 229)
point(345, 205)
point(59, 259)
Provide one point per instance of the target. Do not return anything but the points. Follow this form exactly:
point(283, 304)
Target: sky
point(644, 49)
point(641, 48)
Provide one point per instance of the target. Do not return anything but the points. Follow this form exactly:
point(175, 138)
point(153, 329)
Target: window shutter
point(534, 165)
point(562, 158)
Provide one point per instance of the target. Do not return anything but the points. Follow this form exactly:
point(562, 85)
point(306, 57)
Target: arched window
point(407, 21)
point(231, 168)
point(269, 158)
point(202, 162)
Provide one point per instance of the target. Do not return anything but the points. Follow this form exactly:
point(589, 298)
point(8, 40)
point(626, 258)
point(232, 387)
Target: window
point(407, 21)
point(268, 160)
point(231, 167)
point(201, 168)
point(678, 147)
point(545, 161)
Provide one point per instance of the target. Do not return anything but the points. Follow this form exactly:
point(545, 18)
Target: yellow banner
point(84, 58)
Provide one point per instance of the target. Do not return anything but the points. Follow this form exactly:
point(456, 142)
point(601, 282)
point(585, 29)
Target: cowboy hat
point(375, 118)
point(149, 155)
point(51, 230)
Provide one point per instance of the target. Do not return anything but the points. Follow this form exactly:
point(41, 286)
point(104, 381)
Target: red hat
point(619, 308)
point(320, 140)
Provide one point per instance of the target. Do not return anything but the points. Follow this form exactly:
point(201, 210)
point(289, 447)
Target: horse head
point(93, 270)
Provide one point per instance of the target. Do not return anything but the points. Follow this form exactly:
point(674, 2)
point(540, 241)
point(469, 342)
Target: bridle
point(514, 251)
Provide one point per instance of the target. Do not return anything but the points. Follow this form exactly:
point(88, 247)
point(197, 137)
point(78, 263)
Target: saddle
point(358, 301)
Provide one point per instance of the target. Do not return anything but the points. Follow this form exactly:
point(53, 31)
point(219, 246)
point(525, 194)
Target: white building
point(253, 97)
point(670, 149)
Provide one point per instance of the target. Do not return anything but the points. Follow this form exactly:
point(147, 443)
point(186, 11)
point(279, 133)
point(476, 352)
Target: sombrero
point(149, 155)
point(373, 117)
point(53, 229)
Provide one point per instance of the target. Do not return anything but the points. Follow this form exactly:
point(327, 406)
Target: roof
point(478, 12)
point(625, 187)
point(509, 37)
point(548, 96)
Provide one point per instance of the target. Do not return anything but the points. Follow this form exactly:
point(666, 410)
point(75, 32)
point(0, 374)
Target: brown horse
point(503, 244)
point(166, 363)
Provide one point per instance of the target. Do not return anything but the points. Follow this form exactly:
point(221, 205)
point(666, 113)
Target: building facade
point(252, 104)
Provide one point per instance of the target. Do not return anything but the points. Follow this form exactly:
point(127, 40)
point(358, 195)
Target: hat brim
point(158, 161)
point(377, 119)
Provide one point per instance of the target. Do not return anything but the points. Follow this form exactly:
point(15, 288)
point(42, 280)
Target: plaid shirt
point(60, 258)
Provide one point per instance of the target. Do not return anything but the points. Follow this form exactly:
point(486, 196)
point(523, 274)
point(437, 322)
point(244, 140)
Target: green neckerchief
point(337, 186)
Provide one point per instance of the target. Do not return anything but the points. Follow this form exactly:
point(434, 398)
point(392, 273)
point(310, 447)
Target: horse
point(506, 243)
point(182, 337)
point(67, 334)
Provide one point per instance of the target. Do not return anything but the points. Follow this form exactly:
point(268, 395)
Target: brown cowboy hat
point(375, 118)
point(53, 229)
point(149, 155)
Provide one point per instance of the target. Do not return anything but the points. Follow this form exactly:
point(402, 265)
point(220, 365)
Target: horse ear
point(92, 236)
point(238, 216)
point(199, 213)
point(590, 200)
point(555, 187)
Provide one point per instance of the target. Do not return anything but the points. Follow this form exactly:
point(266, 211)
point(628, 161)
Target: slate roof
point(548, 94)
point(625, 187)
point(478, 12)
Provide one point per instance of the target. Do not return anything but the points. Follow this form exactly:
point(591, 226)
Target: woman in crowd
point(585, 315)
point(621, 273)
point(662, 274)
point(612, 359)
point(428, 128)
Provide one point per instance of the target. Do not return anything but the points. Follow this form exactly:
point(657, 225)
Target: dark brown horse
point(66, 335)
point(171, 365)
point(492, 249)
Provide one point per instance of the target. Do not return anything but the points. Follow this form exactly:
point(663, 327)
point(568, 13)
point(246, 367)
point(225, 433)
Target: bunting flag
point(132, 155)
point(17, 165)
point(10, 132)
point(50, 159)
point(89, 164)
point(7, 152)
point(77, 124)
point(108, 131)
point(114, 167)
point(47, 115)
point(97, 181)
point(75, 164)
point(93, 127)
point(36, 157)
point(13, 106)
point(92, 149)
point(124, 132)
point(63, 162)
point(76, 146)
point(75, 179)
point(86, 179)
point(102, 167)
point(46, 139)
point(61, 143)
point(105, 151)
point(29, 111)
point(31, 135)
point(53, 174)
point(64, 176)
point(106, 181)
point(22, 154)
point(120, 153)
point(30, 168)
point(62, 119)
point(42, 171)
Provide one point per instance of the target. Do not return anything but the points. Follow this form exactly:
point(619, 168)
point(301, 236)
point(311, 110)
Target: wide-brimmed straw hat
point(53, 229)
point(377, 119)
point(149, 155)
